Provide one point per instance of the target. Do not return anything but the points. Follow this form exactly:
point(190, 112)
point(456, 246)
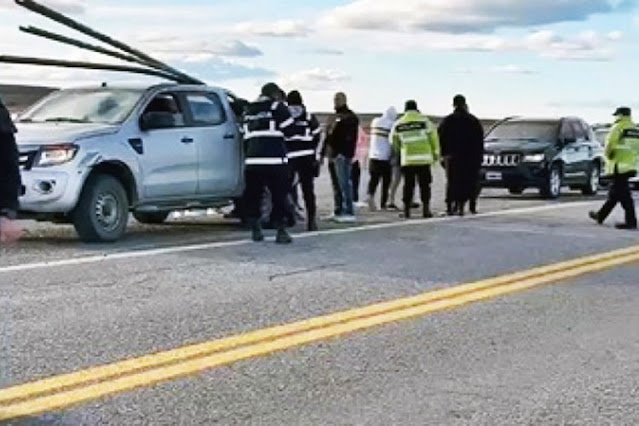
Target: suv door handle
point(187, 140)
point(229, 136)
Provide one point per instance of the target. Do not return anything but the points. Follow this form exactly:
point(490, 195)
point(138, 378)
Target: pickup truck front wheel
point(103, 210)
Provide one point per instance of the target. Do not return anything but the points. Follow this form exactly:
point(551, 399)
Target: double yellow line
point(69, 389)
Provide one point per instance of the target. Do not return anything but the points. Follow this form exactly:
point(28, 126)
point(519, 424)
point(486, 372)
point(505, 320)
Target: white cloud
point(314, 79)
point(502, 69)
point(460, 16)
point(282, 28)
point(62, 6)
point(202, 45)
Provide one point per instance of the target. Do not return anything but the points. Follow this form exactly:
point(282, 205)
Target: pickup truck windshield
point(525, 131)
point(105, 106)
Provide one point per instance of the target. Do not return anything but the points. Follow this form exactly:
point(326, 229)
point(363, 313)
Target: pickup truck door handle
point(229, 136)
point(187, 140)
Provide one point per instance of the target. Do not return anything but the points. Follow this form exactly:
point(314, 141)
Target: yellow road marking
point(69, 389)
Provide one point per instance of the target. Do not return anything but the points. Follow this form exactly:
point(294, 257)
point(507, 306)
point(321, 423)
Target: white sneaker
point(346, 219)
point(361, 204)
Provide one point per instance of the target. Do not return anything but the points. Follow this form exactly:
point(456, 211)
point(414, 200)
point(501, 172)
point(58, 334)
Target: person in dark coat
point(462, 141)
point(10, 181)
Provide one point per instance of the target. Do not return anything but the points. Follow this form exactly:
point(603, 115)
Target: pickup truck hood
point(522, 146)
point(33, 134)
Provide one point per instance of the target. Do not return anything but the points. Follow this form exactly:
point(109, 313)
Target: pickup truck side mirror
point(157, 120)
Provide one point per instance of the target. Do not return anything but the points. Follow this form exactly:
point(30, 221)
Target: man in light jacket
point(379, 164)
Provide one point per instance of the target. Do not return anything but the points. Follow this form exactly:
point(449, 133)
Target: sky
point(508, 57)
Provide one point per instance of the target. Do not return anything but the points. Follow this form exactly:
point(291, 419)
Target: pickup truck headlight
point(534, 158)
point(55, 155)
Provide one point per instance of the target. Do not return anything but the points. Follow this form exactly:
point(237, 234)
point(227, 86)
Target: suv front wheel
point(103, 210)
point(552, 186)
point(592, 187)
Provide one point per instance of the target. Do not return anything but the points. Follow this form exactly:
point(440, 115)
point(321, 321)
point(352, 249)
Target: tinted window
point(580, 134)
point(206, 109)
point(567, 132)
point(166, 103)
point(524, 130)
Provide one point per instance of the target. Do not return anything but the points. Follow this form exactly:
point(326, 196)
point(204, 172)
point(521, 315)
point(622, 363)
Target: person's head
point(272, 91)
point(294, 98)
point(622, 112)
point(340, 100)
point(410, 105)
point(459, 102)
point(391, 113)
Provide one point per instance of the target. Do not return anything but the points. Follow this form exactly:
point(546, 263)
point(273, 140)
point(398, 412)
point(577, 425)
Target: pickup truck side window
point(206, 109)
point(166, 103)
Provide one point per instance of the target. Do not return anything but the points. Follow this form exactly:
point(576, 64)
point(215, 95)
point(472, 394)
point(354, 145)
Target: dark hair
point(294, 98)
point(271, 90)
point(459, 101)
point(410, 105)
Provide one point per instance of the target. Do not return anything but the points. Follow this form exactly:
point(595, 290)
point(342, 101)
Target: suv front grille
point(501, 160)
point(26, 159)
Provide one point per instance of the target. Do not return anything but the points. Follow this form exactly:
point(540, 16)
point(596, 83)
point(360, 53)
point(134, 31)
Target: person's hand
point(10, 231)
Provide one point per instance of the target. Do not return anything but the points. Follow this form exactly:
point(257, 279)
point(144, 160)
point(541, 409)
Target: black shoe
point(283, 237)
point(626, 226)
point(311, 226)
point(427, 214)
point(595, 216)
point(473, 209)
point(258, 235)
point(406, 214)
point(392, 206)
point(415, 206)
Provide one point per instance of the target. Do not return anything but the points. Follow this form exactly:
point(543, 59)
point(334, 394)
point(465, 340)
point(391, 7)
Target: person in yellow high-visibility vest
point(622, 154)
point(415, 138)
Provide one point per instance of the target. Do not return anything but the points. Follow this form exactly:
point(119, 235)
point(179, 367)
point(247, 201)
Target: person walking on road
point(10, 180)
point(341, 140)
point(266, 124)
point(302, 153)
point(417, 141)
point(379, 164)
point(462, 142)
point(622, 153)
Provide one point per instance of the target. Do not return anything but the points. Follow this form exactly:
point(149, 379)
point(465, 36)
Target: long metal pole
point(77, 43)
point(64, 20)
point(86, 65)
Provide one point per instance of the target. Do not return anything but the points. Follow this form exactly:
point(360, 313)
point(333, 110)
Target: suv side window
point(206, 109)
point(566, 131)
point(580, 134)
point(166, 103)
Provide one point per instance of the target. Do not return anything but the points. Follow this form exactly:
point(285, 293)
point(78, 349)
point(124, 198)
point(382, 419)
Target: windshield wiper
point(65, 120)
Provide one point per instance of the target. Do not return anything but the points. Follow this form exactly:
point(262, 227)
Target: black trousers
point(379, 170)
point(423, 176)
point(620, 192)
point(274, 178)
point(304, 168)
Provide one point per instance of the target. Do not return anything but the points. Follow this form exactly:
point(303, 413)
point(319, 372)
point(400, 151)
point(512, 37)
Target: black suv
point(547, 154)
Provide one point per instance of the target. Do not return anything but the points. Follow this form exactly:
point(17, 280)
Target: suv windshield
point(524, 130)
point(106, 106)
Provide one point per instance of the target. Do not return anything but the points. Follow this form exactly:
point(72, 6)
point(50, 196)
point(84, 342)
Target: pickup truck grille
point(26, 159)
point(501, 160)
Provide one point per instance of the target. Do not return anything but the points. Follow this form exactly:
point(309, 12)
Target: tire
point(102, 211)
point(552, 187)
point(516, 190)
point(155, 218)
point(594, 174)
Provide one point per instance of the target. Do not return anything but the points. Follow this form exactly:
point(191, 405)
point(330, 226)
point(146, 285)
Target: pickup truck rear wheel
point(154, 218)
point(103, 210)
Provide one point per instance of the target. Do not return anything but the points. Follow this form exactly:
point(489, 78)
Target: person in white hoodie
point(380, 153)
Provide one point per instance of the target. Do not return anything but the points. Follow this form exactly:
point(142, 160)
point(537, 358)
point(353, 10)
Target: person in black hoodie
point(10, 181)
point(341, 140)
point(462, 140)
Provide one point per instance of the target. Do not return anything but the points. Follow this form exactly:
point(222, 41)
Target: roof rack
point(145, 63)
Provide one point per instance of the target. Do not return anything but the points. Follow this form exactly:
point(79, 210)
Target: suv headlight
point(55, 155)
point(534, 158)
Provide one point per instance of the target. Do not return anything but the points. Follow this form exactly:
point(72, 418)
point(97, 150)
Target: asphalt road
point(565, 353)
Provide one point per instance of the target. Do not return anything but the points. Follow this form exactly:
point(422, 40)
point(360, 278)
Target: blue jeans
point(343, 171)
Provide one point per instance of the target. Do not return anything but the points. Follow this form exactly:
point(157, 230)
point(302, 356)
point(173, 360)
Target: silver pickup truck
point(90, 156)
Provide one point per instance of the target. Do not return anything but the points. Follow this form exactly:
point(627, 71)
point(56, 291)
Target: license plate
point(493, 176)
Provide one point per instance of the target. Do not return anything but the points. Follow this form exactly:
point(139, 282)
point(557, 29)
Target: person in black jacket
point(341, 141)
point(462, 141)
point(10, 181)
point(302, 153)
point(267, 121)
